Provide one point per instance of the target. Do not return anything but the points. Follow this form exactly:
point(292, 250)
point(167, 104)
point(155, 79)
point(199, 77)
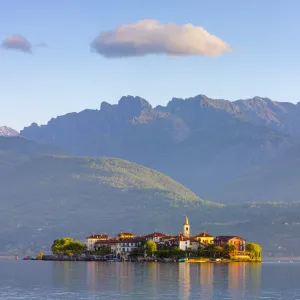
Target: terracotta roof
point(204, 234)
point(181, 237)
point(226, 238)
point(130, 240)
point(155, 234)
point(97, 236)
point(106, 242)
point(168, 237)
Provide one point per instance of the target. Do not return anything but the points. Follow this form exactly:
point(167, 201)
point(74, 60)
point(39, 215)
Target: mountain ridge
point(201, 142)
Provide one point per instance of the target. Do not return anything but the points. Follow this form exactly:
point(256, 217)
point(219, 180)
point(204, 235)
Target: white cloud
point(17, 42)
point(151, 37)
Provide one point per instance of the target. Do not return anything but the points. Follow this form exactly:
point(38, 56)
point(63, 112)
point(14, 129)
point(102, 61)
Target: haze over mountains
point(221, 150)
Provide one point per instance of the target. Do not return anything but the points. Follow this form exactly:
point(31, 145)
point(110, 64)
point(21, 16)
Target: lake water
point(104, 280)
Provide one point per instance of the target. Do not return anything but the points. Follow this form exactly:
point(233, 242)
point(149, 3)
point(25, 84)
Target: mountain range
point(129, 166)
point(215, 147)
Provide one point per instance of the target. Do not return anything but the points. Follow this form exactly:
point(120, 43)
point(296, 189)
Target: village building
point(184, 243)
point(205, 238)
point(155, 236)
point(238, 242)
point(92, 239)
point(125, 246)
point(125, 242)
point(110, 244)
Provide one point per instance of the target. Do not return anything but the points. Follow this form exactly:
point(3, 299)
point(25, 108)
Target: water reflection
point(236, 280)
point(206, 278)
point(185, 281)
point(254, 276)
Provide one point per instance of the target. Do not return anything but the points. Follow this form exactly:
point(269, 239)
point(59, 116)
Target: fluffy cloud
point(17, 42)
point(150, 37)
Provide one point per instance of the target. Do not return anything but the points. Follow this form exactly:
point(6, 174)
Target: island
point(157, 246)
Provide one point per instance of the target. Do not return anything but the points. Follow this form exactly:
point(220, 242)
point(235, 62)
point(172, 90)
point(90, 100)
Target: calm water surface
point(96, 280)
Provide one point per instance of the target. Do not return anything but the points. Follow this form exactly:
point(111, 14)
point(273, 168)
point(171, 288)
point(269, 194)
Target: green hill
point(109, 172)
point(53, 196)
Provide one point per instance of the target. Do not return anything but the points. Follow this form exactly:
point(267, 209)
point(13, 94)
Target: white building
point(156, 237)
point(125, 246)
point(92, 239)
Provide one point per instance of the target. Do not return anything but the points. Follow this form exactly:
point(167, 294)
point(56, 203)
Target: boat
point(28, 258)
point(114, 260)
point(182, 259)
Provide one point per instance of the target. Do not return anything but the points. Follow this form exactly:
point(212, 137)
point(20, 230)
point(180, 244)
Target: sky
point(64, 56)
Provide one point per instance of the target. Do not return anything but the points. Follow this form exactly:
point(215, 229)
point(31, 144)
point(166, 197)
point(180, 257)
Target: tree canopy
point(67, 246)
point(254, 250)
point(150, 247)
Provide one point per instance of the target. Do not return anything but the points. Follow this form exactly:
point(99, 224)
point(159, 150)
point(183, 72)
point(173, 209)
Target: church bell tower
point(186, 227)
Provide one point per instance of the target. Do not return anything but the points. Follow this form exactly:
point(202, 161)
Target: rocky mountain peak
point(7, 131)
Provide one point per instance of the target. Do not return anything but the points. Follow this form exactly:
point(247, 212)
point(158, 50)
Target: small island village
point(156, 246)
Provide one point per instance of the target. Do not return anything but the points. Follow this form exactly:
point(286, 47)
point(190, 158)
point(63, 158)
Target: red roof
point(130, 240)
point(155, 234)
point(106, 242)
point(226, 238)
point(204, 234)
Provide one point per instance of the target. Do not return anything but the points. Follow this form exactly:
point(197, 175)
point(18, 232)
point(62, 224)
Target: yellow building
point(124, 235)
point(205, 238)
point(92, 239)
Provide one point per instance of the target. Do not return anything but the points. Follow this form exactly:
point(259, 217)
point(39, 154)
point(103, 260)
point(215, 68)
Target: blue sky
point(66, 76)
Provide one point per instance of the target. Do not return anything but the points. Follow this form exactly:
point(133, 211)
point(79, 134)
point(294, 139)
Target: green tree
point(200, 252)
point(67, 246)
point(254, 250)
point(178, 252)
point(230, 248)
point(219, 250)
point(150, 247)
point(211, 250)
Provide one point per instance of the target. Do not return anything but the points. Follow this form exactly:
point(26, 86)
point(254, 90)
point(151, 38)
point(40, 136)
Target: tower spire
point(186, 220)
point(186, 227)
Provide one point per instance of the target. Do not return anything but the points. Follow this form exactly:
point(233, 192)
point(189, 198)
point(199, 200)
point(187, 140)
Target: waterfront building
point(205, 238)
point(92, 239)
point(238, 242)
point(126, 242)
point(111, 244)
point(155, 236)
